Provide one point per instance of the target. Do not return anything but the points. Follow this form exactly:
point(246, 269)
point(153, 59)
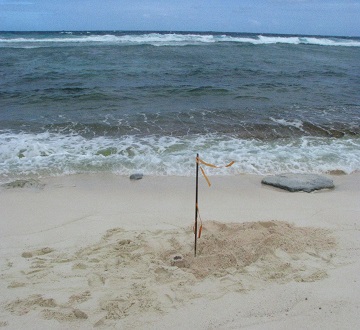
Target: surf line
point(197, 233)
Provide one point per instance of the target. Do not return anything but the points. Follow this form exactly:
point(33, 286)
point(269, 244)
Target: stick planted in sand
point(197, 214)
point(196, 201)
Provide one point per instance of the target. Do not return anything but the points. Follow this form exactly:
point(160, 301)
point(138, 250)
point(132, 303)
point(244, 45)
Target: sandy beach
point(98, 250)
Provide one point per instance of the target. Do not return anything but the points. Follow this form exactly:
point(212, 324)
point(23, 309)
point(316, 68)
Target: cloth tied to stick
point(200, 161)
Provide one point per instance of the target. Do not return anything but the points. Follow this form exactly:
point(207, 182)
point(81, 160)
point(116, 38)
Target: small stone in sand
point(136, 176)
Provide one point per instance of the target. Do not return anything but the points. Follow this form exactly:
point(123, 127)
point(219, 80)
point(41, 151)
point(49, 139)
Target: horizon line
point(182, 32)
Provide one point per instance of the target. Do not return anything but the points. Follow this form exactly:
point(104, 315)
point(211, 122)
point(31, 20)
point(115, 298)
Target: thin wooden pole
point(196, 201)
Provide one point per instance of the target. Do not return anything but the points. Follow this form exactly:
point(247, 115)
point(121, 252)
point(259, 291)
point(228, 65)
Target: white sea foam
point(294, 40)
point(294, 123)
point(176, 39)
point(155, 39)
point(54, 154)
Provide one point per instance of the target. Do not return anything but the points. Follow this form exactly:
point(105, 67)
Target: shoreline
point(49, 237)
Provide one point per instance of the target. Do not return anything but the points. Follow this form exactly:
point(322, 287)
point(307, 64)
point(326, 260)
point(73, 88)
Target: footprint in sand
point(80, 298)
point(95, 280)
point(16, 284)
point(40, 252)
point(72, 315)
point(23, 306)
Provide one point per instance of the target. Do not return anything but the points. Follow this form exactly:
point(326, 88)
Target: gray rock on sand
point(299, 182)
point(136, 176)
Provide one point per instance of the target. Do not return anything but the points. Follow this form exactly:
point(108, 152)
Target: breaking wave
point(166, 39)
point(57, 154)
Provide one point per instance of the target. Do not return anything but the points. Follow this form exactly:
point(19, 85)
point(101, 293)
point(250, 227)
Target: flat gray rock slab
point(299, 182)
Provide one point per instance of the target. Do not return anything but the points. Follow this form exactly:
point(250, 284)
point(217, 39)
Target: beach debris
point(30, 183)
point(299, 182)
point(136, 176)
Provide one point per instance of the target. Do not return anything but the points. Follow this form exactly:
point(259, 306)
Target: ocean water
point(123, 102)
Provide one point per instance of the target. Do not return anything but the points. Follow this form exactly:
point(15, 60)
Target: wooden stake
point(196, 201)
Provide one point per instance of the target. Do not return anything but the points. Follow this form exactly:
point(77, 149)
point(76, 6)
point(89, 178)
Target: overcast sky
point(324, 17)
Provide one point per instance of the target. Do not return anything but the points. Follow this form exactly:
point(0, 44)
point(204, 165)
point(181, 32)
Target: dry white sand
point(98, 251)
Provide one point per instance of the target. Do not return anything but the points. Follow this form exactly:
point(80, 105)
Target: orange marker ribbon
point(200, 161)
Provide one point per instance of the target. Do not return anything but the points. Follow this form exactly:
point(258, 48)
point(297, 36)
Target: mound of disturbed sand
point(128, 275)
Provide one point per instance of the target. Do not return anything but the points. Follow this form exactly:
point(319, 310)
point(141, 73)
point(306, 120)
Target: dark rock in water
point(107, 152)
point(336, 172)
point(31, 183)
point(299, 182)
point(136, 176)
